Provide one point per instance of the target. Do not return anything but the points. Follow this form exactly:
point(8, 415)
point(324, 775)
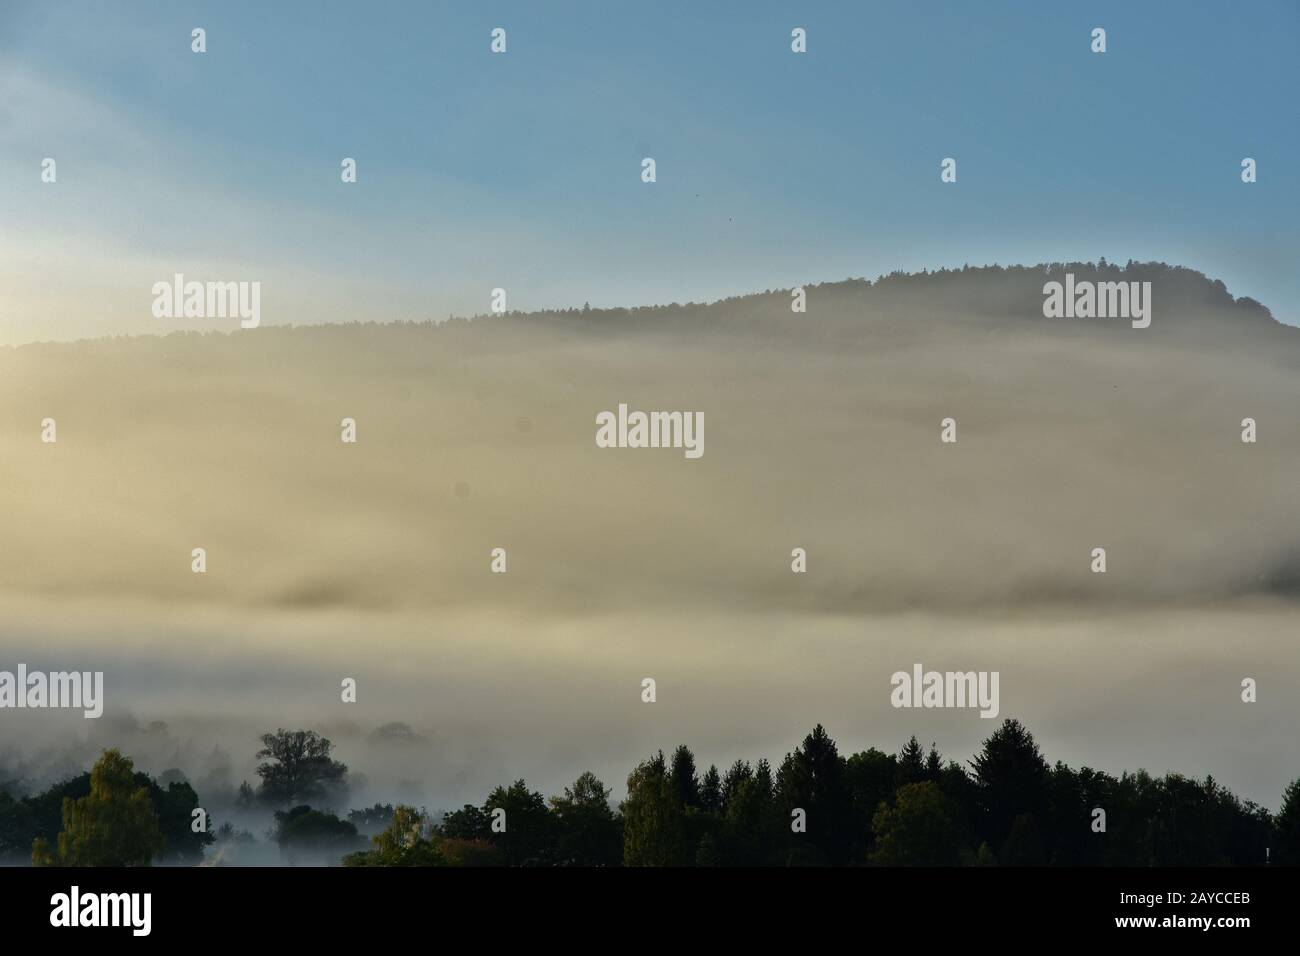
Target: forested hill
point(1184, 300)
point(1186, 303)
point(1089, 426)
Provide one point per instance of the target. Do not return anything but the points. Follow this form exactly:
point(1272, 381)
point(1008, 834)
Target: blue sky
point(522, 170)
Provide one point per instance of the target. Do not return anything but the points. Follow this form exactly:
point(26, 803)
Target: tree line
point(1007, 806)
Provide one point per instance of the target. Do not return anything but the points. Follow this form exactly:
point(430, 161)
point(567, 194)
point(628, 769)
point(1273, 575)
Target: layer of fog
point(328, 560)
point(447, 710)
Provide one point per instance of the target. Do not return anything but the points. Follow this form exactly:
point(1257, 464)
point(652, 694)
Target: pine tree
point(911, 763)
point(1013, 779)
point(711, 790)
point(739, 772)
point(812, 779)
point(686, 785)
point(1286, 846)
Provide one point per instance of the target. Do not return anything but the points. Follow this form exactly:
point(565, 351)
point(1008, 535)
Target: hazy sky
point(523, 170)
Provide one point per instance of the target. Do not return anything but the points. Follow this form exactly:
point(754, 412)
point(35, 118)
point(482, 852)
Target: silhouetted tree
point(175, 808)
point(911, 763)
point(467, 823)
point(590, 833)
point(296, 766)
point(753, 828)
point(47, 808)
point(812, 779)
point(1012, 777)
point(1286, 843)
point(736, 773)
point(529, 838)
point(870, 778)
point(711, 790)
point(686, 784)
point(302, 829)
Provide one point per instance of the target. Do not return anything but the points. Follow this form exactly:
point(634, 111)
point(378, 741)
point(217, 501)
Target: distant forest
point(1007, 807)
point(1189, 301)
